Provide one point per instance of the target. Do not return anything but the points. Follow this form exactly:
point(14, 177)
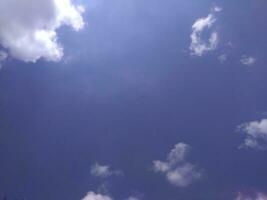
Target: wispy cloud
point(198, 45)
point(216, 9)
point(222, 58)
point(132, 198)
point(3, 56)
point(29, 28)
point(256, 134)
point(104, 171)
point(254, 196)
point(248, 60)
point(177, 170)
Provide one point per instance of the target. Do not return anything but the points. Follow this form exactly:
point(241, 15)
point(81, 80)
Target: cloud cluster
point(177, 170)
point(247, 60)
point(104, 171)
point(256, 196)
point(198, 45)
point(29, 28)
point(256, 134)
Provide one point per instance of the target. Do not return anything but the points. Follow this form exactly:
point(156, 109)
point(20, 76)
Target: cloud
point(255, 196)
point(3, 56)
point(216, 9)
point(222, 58)
point(177, 170)
point(132, 198)
point(29, 28)
point(256, 134)
point(94, 196)
point(248, 60)
point(104, 171)
point(199, 46)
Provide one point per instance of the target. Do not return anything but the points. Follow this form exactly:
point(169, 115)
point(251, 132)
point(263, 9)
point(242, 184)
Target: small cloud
point(222, 58)
point(94, 196)
point(253, 196)
point(3, 56)
point(104, 171)
point(132, 198)
point(199, 46)
point(99, 196)
point(248, 60)
point(230, 44)
point(216, 9)
point(177, 170)
point(256, 134)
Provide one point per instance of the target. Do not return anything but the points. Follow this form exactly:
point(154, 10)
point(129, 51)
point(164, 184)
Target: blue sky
point(133, 100)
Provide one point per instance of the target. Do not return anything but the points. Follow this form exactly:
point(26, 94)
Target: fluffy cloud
point(104, 171)
point(256, 196)
point(177, 170)
point(94, 196)
point(256, 134)
point(247, 60)
point(29, 28)
point(198, 45)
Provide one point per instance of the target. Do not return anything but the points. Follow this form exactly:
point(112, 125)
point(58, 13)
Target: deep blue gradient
point(129, 93)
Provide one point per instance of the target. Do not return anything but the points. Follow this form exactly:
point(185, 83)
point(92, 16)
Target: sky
point(133, 100)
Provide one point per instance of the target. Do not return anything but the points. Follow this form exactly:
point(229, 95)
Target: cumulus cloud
point(177, 170)
point(248, 60)
point(198, 45)
point(94, 196)
point(256, 134)
point(28, 28)
point(104, 171)
point(255, 196)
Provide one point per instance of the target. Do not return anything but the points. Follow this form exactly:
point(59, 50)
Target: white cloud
point(257, 196)
point(222, 58)
point(256, 134)
point(217, 9)
point(177, 170)
point(104, 171)
point(248, 60)
point(198, 45)
point(94, 196)
point(29, 28)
